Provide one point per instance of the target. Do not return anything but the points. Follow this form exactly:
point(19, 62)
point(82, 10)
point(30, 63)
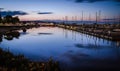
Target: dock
point(105, 31)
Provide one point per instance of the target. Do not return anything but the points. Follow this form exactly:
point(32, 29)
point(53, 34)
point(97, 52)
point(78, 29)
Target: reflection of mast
point(66, 33)
point(63, 32)
point(95, 41)
point(72, 34)
point(82, 37)
point(75, 35)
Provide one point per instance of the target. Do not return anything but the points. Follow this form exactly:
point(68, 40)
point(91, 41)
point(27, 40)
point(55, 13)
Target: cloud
point(1, 8)
point(92, 1)
point(45, 13)
point(13, 13)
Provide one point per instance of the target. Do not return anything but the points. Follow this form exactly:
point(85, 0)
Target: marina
point(60, 35)
point(62, 45)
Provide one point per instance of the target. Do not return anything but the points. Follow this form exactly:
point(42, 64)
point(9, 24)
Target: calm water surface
point(72, 49)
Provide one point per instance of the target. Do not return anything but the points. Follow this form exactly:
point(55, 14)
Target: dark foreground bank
point(10, 62)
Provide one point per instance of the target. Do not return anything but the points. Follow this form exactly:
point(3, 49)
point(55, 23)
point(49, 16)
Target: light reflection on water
point(73, 49)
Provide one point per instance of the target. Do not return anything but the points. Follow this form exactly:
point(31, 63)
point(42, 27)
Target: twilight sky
point(57, 9)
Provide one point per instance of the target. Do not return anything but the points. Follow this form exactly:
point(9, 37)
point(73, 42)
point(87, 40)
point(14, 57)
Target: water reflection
point(0, 39)
point(24, 33)
point(118, 44)
point(8, 37)
point(75, 50)
point(92, 46)
point(11, 34)
point(71, 35)
point(45, 33)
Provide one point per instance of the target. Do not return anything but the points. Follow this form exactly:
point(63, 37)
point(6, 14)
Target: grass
point(10, 62)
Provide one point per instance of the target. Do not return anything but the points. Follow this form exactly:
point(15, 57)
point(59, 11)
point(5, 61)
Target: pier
point(105, 31)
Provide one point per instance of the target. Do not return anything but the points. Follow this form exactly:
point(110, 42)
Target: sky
point(58, 9)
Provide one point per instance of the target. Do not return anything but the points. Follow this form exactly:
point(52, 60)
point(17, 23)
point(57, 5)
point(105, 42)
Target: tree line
point(9, 19)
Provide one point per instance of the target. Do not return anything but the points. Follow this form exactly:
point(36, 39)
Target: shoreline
point(105, 31)
point(10, 31)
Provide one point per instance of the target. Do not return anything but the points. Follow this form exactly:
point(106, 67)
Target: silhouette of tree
point(15, 20)
point(8, 19)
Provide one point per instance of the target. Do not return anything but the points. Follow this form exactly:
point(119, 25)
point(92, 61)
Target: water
point(72, 49)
